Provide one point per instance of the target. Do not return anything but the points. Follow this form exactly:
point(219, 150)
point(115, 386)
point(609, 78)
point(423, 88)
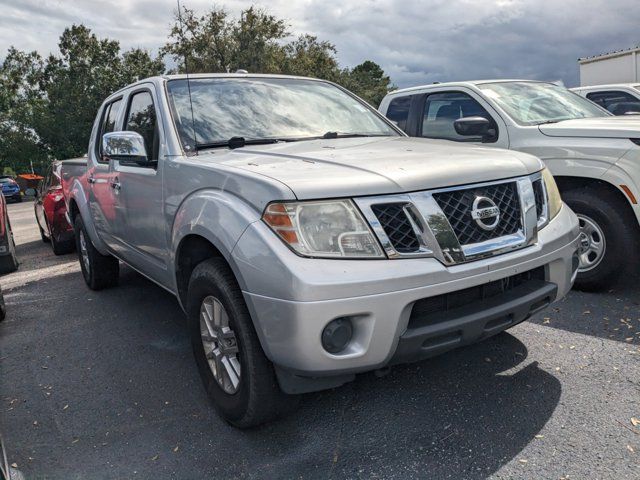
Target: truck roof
point(607, 85)
point(465, 83)
point(192, 76)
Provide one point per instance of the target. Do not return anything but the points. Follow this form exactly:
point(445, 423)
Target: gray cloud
point(415, 41)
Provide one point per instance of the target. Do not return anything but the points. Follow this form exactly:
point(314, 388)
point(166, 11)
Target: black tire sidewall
point(231, 406)
point(619, 240)
point(78, 227)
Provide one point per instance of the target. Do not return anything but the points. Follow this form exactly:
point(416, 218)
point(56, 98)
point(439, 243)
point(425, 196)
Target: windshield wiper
point(239, 142)
point(351, 135)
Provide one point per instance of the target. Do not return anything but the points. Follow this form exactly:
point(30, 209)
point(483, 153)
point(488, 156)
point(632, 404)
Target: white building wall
point(614, 68)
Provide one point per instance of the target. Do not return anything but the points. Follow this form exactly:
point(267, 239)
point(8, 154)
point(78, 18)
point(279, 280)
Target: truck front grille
point(396, 225)
point(457, 206)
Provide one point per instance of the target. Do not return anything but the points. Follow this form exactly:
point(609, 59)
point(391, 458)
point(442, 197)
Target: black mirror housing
point(472, 126)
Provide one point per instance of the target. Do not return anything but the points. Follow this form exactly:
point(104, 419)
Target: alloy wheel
point(220, 344)
point(84, 253)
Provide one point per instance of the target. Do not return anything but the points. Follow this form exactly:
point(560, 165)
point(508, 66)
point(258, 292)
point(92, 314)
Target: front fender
point(78, 195)
point(218, 216)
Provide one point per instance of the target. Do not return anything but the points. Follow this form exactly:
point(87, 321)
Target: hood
point(624, 126)
point(374, 166)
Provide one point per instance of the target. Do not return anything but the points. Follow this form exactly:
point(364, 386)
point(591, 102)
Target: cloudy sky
point(415, 41)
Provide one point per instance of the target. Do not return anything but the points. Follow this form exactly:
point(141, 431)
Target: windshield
point(530, 103)
point(268, 108)
point(6, 180)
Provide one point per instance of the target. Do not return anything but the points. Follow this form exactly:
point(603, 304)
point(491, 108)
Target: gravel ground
point(103, 385)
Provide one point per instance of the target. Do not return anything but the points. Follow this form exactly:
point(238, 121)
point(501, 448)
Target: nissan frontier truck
point(306, 237)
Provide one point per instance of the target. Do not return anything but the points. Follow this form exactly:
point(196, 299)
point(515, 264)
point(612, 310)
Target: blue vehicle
point(10, 188)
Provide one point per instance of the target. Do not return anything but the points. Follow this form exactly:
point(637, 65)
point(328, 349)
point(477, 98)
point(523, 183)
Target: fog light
point(337, 335)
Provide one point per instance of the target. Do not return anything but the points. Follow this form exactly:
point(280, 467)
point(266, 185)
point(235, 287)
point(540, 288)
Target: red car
point(8, 259)
point(51, 211)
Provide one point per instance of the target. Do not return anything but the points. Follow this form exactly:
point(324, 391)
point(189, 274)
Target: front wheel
point(237, 375)
point(99, 271)
point(607, 237)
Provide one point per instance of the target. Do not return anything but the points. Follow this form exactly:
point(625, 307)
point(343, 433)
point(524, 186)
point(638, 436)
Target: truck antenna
point(186, 70)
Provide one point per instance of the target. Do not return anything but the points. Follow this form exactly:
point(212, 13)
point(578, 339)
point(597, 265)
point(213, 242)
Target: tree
point(215, 42)
point(48, 105)
point(368, 81)
point(20, 74)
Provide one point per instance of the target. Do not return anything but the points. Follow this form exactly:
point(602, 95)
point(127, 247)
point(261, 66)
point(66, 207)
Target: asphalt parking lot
point(103, 385)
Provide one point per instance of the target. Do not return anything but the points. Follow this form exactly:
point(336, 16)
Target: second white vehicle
point(594, 156)
point(619, 98)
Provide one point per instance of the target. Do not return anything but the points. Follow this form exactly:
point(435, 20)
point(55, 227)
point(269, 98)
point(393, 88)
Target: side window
point(141, 118)
point(398, 111)
point(442, 109)
point(107, 124)
point(617, 102)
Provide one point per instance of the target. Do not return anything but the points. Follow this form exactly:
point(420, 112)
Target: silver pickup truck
point(306, 237)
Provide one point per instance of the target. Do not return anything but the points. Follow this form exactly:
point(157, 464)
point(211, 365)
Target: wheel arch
point(192, 250)
point(208, 224)
point(567, 183)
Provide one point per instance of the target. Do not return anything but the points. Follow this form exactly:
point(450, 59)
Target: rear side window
point(141, 118)
point(398, 111)
point(107, 124)
point(442, 109)
point(617, 102)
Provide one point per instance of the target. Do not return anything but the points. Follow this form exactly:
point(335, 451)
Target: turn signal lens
point(553, 194)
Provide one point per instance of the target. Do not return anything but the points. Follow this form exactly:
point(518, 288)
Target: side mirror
point(126, 148)
point(472, 126)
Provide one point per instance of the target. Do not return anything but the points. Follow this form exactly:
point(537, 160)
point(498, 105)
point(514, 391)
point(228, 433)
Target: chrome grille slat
point(538, 192)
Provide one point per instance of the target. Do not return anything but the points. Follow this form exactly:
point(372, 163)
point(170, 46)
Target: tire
point(19, 199)
point(602, 214)
point(45, 239)
point(3, 309)
point(62, 247)
point(99, 271)
point(9, 263)
point(257, 398)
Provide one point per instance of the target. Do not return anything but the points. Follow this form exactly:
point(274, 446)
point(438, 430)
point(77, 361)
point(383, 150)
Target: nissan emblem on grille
point(485, 213)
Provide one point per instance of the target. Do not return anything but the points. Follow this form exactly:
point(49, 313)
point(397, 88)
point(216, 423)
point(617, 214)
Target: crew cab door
point(102, 201)
point(432, 114)
point(139, 189)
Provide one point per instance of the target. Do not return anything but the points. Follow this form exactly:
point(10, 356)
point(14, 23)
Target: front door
point(439, 110)
point(141, 227)
point(99, 177)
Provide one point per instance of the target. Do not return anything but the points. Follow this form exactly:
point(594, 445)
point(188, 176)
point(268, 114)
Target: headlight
point(330, 228)
point(554, 202)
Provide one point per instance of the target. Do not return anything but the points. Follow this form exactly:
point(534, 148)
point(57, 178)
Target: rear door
point(102, 201)
point(141, 226)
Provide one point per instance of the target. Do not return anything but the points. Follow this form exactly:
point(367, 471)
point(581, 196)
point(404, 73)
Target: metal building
point(616, 67)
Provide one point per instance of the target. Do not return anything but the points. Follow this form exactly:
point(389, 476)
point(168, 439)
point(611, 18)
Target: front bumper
point(291, 299)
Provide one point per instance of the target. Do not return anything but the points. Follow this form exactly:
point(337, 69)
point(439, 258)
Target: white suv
point(619, 98)
point(594, 156)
